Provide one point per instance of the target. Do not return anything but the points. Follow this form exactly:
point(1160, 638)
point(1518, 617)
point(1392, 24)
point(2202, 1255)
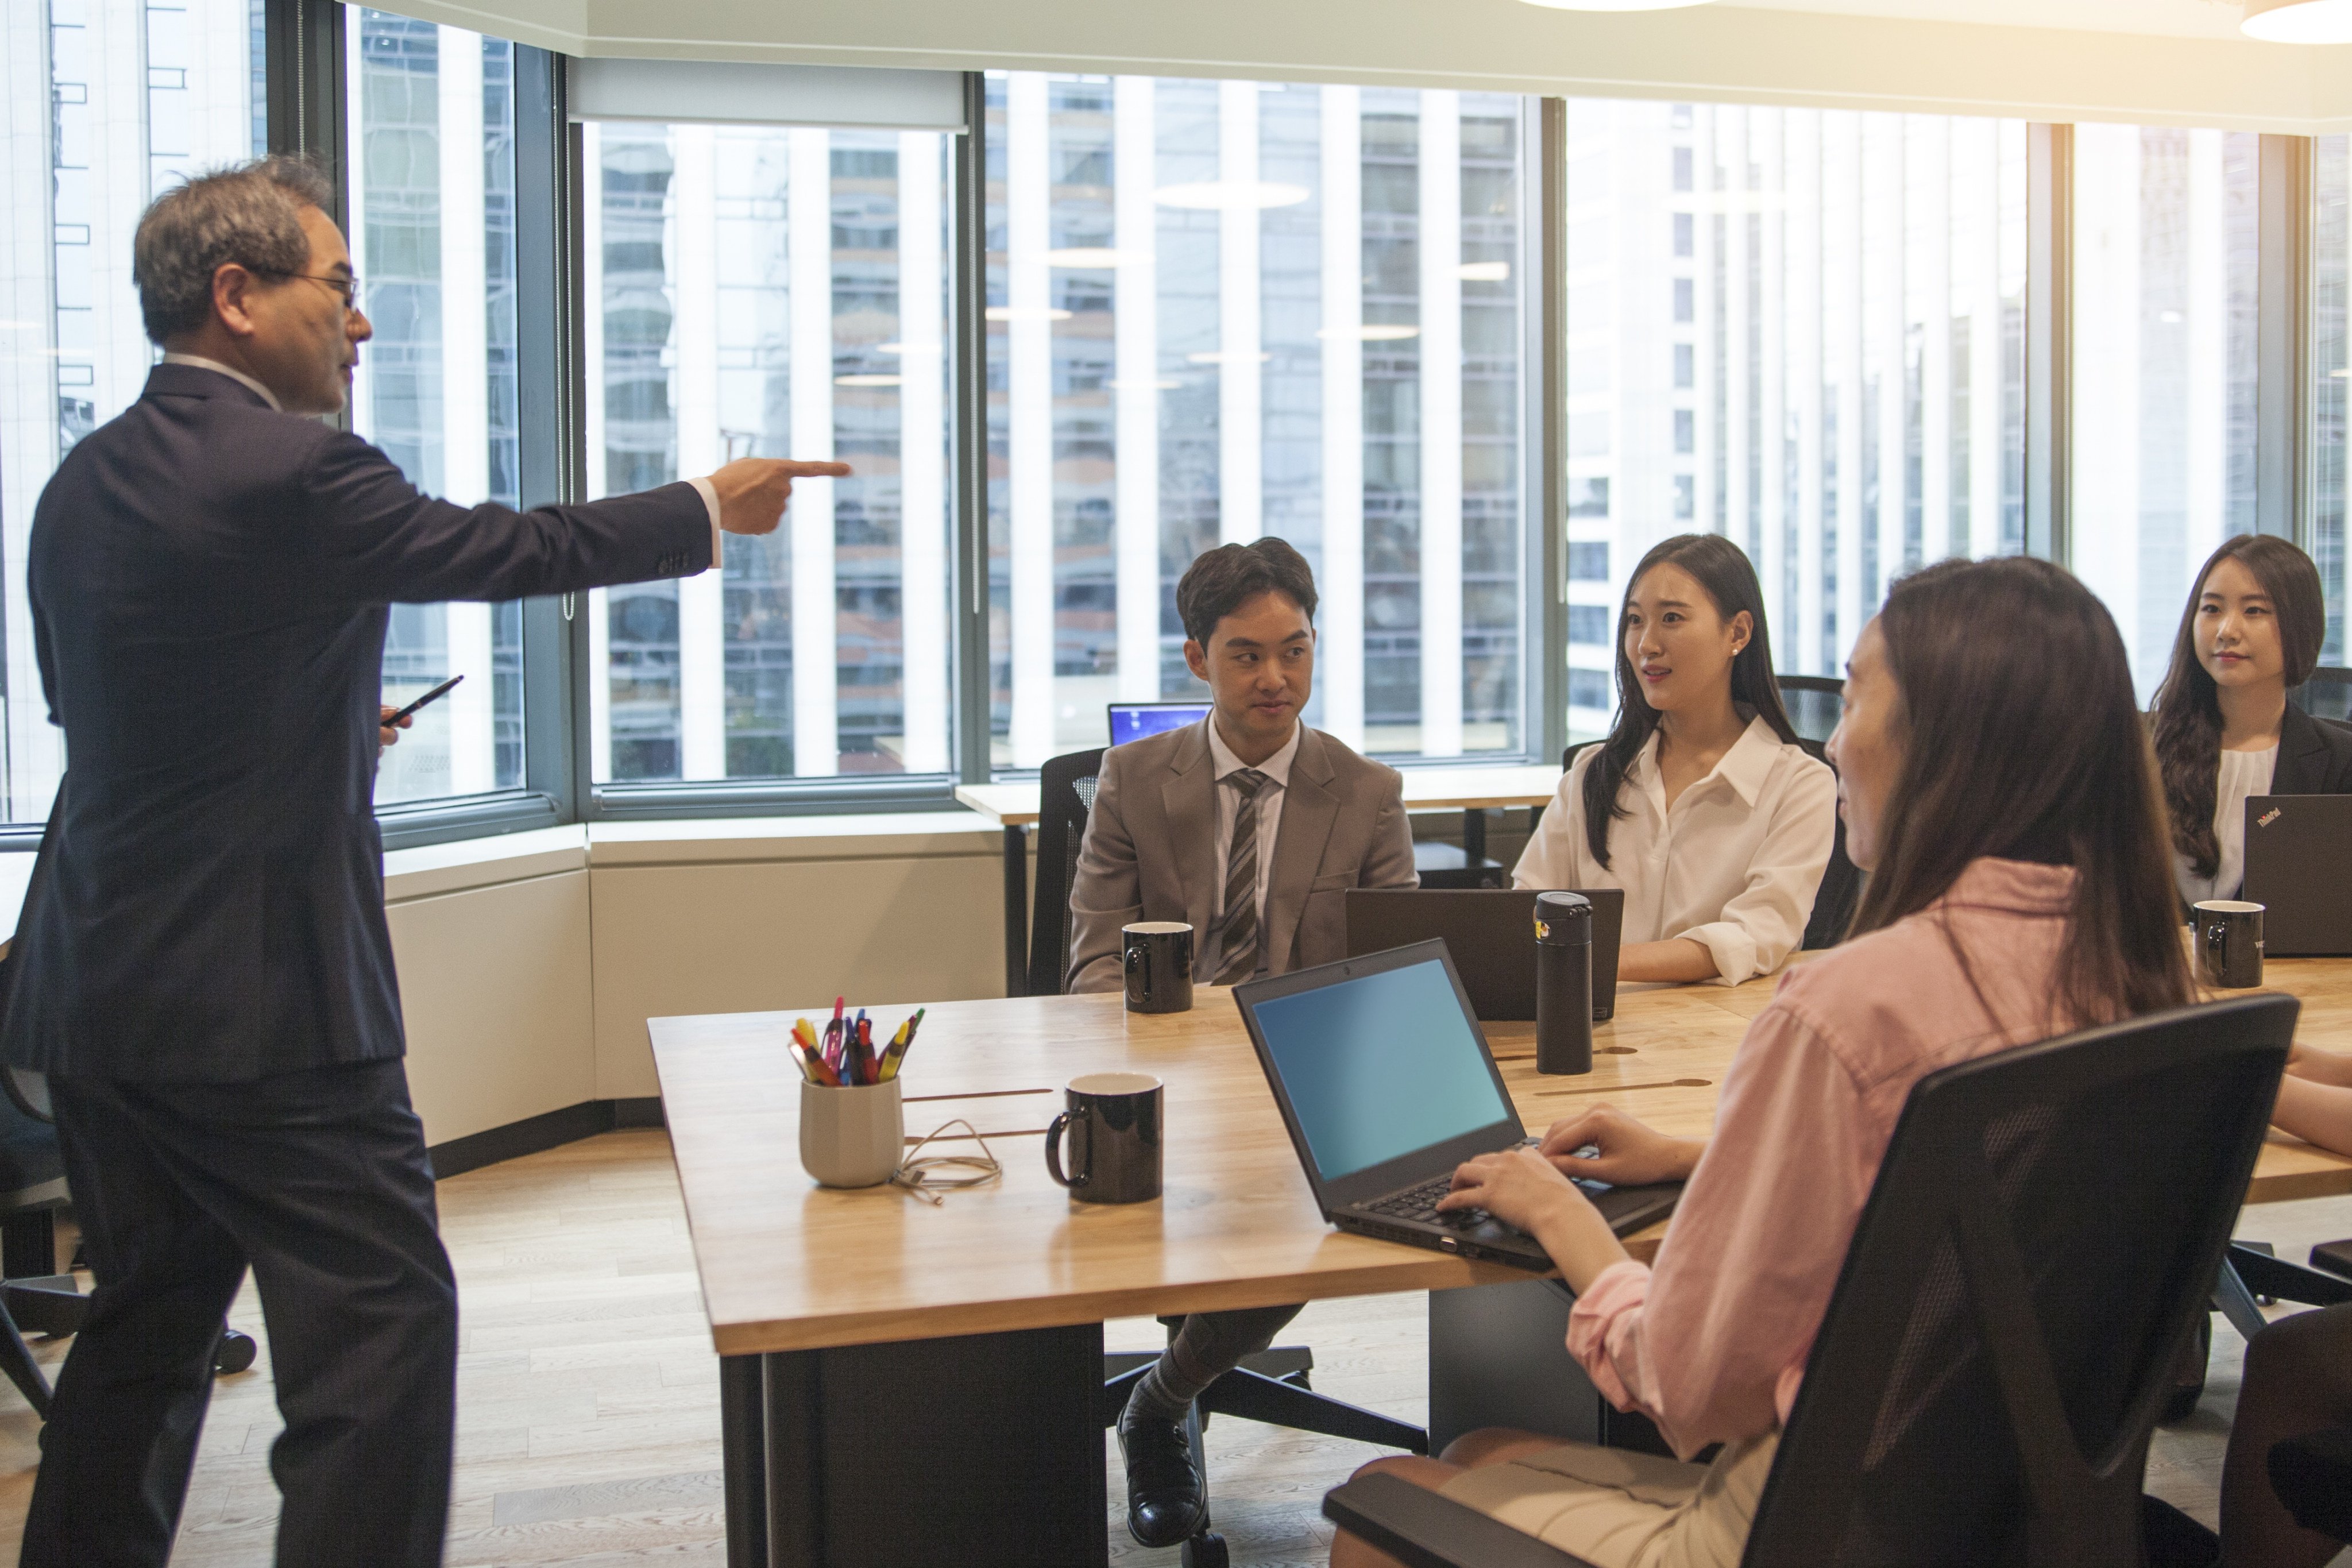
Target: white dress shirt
point(2243, 773)
point(1270, 796)
point(1733, 866)
point(703, 487)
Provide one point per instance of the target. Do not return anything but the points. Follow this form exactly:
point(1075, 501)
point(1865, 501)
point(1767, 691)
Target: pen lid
point(1564, 919)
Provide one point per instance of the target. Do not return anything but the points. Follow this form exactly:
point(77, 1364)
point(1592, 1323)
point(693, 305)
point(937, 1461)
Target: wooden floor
point(588, 1396)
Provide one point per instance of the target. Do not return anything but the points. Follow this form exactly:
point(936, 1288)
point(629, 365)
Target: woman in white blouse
point(2224, 729)
point(1700, 803)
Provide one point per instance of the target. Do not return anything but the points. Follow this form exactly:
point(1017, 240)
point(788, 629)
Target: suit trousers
point(318, 1179)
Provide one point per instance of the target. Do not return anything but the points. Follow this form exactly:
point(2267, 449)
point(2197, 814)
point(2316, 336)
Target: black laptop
point(2298, 867)
point(1490, 934)
point(1386, 1086)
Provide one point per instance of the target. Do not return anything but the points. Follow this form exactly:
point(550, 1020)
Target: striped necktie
point(1237, 937)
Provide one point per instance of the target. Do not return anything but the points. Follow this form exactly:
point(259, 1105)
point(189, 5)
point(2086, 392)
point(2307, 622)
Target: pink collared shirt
point(1711, 1342)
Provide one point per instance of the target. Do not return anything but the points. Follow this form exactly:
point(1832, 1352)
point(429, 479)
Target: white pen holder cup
point(852, 1137)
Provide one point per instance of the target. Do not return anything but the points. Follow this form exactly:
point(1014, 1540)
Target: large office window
point(1224, 310)
point(1803, 330)
point(430, 184)
point(136, 95)
point(757, 290)
point(2166, 272)
point(2331, 379)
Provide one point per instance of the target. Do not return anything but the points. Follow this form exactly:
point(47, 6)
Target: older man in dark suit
point(1250, 827)
point(203, 966)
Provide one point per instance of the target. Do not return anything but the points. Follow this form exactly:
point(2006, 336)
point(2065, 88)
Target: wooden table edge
point(1421, 1270)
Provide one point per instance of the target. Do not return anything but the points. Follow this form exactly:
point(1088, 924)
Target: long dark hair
point(2023, 740)
point(1724, 572)
point(2188, 705)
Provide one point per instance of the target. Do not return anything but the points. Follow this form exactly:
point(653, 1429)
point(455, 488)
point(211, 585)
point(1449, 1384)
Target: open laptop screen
point(1134, 720)
point(1379, 1066)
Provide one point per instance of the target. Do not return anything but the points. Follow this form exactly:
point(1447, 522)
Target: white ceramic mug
point(852, 1137)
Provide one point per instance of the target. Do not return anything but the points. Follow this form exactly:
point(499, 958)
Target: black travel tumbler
point(1563, 983)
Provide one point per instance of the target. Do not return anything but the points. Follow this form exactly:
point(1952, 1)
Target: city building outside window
point(139, 95)
point(430, 183)
point(1803, 330)
point(1224, 310)
point(2167, 268)
point(773, 291)
point(2331, 379)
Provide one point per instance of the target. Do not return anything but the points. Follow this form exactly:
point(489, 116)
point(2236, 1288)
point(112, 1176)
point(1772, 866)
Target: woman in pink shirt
point(1997, 783)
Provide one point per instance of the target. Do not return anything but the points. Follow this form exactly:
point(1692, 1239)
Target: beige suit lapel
point(1188, 801)
point(1311, 806)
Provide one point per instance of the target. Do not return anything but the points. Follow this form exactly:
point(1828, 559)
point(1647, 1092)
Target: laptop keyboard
point(1420, 1203)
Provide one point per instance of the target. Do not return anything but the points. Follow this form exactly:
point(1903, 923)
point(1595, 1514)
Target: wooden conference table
point(1470, 790)
point(911, 1384)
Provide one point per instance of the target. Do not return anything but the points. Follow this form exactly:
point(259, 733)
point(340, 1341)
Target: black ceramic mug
point(2228, 943)
point(1158, 957)
point(1114, 1122)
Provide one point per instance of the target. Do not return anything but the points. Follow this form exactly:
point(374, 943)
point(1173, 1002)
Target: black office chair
point(1065, 795)
point(1813, 702)
point(2326, 695)
point(34, 1297)
point(2031, 1260)
point(1274, 1386)
point(1841, 889)
point(1442, 865)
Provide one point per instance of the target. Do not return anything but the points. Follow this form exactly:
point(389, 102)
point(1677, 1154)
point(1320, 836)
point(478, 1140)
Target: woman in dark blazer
point(2224, 729)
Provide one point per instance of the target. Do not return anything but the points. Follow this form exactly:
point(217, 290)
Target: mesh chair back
point(1065, 795)
point(1812, 701)
point(2043, 1235)
point(2327, 694)
point(1841, 889)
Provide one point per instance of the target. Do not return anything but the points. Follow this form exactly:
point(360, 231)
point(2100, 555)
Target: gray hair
point(250, 214)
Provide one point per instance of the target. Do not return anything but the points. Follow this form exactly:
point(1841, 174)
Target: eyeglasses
point(349, 287)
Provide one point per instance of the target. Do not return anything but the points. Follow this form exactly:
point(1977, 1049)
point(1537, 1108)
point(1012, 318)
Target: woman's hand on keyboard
point(1523, 1189)
point(1628, 1154)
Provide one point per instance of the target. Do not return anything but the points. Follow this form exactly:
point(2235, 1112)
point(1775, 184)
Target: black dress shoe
point(1166, 1504)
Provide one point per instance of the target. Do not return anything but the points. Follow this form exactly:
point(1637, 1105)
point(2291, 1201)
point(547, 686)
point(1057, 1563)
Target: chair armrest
point(1423, 1530)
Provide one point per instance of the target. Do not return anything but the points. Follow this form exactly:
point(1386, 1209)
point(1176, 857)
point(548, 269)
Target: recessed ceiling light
point(1377, 332)
point(1090, 255)
point(1484, 272)
point(2298, 21)
point(866, 380)
point(1230, 196)
point(2340, 375)
point(1024, 314)
point(1219, 356)
point(906, 348)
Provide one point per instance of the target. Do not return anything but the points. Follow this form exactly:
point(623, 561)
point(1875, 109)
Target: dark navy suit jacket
point(2314, 756)
point(209, 581)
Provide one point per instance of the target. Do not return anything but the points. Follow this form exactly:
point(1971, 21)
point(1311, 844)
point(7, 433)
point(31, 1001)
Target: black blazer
point(209, 581)
point(2314, 756)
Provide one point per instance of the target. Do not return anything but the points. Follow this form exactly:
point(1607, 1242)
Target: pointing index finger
point(810, 471)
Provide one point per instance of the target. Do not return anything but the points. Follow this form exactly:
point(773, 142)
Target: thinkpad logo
point(2266, 818)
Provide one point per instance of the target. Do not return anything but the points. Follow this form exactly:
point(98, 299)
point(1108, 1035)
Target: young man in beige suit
point(1250, 827)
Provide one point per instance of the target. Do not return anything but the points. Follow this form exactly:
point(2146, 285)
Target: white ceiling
point(2155, 18)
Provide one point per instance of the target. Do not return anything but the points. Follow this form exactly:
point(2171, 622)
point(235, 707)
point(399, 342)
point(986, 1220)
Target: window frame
point(305, 93)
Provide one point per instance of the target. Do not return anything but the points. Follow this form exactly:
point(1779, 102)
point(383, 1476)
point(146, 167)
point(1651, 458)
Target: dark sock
point(1208, 1346)
point(1166, 1390)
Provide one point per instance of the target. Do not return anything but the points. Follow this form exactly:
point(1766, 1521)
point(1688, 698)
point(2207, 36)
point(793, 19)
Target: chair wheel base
point(1206, 1550)
point(235, 1352)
